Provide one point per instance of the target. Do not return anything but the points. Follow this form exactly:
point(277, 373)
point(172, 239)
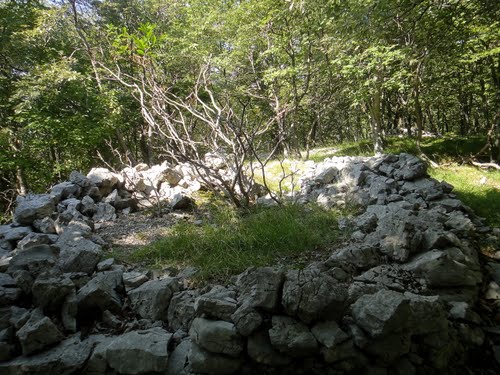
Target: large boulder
point(312, 295)
point(66, 190)
point(133, 353)
point(216, 336)
point(32, 207)
point(151, 299)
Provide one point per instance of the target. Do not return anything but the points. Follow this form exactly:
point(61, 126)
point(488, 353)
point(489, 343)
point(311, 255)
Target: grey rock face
point(216, 336)
point(101, 293)
point(133, 279)
point(205, 362)
point(78, 254)
point(178, 361)
point(104, 179)
point(104, 212)
point(66, 190)
point(246, 320)
point(65, 359)
point(261, 351)
point(49, 292)
point(260, 287)
point(34, 239)
point(151, 299)
point(381, 313)
point(35, 259)
point(291, 337)
point(32, 207)
point(88, 207)
point(329, 334)
point(133, 353)
point(219, 303)
point(312, 295)
point(181, 310)
point(448, 268)
point(12, 233)
point(38, 333)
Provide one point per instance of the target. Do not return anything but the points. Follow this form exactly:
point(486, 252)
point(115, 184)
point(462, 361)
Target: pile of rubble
point(398, 298)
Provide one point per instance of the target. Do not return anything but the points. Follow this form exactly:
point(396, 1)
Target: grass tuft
point(232, 241)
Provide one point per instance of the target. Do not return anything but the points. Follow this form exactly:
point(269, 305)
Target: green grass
point(478, 189)
point(232, 241)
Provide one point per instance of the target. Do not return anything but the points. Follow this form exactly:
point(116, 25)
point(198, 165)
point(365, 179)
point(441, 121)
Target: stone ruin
point(399, 297)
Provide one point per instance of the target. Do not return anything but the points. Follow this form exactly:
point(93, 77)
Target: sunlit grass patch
point(233, 240)
point(476, 188)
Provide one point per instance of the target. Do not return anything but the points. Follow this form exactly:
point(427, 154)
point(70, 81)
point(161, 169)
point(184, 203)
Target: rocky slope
point(400, 297)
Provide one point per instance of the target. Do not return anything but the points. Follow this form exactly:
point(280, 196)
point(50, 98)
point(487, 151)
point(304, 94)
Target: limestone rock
point(35, 259)
point(260, 287)
point(246, 320)
point(14, 233)
point(38, 333)
point(32, 207)
point(67, 358)
point(133, 353)
point(181, 310)
point(151, 299)
point(104, 212)
point(34, 239)
point(261, 351)
point(104, 179)
point(49, 292)
point(312, 295)
point(381, 313)
point(218, 303)
point(178, 361)
point(133, 279)
point(329, 333)
point(66, 190)
point(205, 362)
point(101, 293)
point(216, 336)
point(78, 254)
point(291, 337)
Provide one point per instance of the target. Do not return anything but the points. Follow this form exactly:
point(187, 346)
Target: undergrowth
point(231, 240)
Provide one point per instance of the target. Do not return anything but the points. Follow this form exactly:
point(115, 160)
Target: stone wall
point(397, 298)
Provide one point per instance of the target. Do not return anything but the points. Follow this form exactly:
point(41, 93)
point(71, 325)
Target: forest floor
point(222, 241)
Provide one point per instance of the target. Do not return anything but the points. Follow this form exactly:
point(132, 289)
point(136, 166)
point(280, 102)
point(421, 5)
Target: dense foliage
point(141, 80)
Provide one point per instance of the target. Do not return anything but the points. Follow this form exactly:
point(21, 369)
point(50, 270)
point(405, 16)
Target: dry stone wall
point(397, 298)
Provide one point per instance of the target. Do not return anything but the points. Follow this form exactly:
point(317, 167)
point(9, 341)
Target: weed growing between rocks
point(229, 240)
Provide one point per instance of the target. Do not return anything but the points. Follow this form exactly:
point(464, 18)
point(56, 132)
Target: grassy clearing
point(478, 189)
point(232, 241)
